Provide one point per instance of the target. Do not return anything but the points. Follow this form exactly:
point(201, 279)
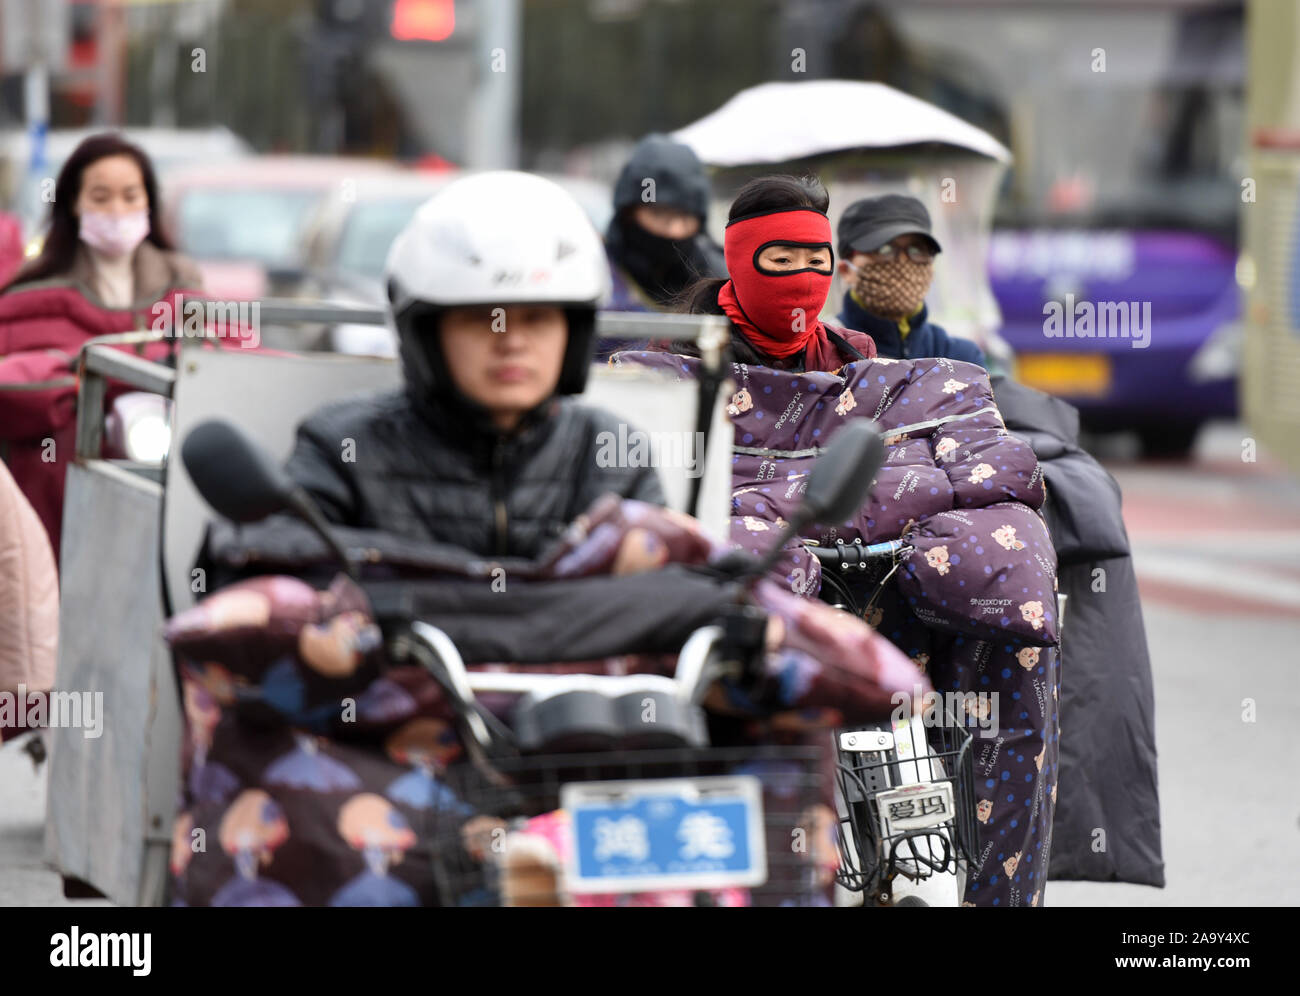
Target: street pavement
point(24, 879)
point(1217, 550)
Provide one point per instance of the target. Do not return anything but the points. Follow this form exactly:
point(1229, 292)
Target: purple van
point(1135, 328)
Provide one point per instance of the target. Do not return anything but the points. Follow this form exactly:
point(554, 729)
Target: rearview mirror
point(240, 481)
point(837, 486)
point(233, 474)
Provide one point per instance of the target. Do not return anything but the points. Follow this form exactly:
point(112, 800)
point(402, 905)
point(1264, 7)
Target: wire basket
point(894, 786)
point(490, 842)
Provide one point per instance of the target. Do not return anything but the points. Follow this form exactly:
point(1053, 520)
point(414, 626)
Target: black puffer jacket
point(1108, 743)
point(438, 472)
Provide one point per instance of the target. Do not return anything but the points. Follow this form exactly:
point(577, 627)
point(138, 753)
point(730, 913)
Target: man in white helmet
point(493, 287)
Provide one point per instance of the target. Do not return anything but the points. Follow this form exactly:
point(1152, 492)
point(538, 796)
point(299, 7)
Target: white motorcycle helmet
point(495, 239)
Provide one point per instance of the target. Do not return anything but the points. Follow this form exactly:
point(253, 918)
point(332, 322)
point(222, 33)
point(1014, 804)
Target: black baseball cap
point(870, 223)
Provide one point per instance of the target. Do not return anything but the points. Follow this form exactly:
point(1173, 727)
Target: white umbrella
point(778, 122)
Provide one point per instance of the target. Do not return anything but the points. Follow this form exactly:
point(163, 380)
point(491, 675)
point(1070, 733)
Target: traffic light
point(423, 20)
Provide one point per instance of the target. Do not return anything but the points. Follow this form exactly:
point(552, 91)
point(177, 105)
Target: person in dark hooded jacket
point(656, 242)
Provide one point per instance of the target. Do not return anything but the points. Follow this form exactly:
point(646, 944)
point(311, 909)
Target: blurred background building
point(399, 77)
point(1125, 121)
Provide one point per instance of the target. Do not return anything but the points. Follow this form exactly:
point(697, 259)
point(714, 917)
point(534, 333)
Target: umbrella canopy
point(779, 122)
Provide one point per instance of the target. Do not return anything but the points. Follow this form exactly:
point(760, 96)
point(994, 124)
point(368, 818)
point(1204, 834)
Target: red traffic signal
point(423, 20)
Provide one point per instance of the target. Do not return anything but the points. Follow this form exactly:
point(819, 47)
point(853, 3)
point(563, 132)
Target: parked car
point(347, 236)
point(170, 149)
point(345, 242)
point(242, 222)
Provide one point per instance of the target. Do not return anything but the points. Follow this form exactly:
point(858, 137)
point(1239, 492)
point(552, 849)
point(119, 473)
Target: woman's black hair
point(60, 247)
point(779, 193)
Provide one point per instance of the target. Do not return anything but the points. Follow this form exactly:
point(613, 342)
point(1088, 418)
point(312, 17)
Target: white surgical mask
point(113, 234)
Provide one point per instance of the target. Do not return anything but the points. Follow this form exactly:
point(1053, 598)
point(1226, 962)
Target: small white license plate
point(914, 807)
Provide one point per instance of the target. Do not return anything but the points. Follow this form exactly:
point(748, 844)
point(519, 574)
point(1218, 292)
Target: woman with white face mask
point(103, 267)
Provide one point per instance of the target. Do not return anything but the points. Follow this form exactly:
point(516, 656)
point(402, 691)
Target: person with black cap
point(887, 253)
point(656, 242)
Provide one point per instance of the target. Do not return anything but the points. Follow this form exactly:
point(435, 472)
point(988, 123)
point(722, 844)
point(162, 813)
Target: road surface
point(1217, 550)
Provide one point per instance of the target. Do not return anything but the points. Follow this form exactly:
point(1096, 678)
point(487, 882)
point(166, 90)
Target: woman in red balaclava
point(778, 251)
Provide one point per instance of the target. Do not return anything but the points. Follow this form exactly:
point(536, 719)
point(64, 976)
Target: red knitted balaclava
point(776, 310)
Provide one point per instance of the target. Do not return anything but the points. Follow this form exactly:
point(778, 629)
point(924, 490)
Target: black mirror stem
point(797, 521)
point(300, 502)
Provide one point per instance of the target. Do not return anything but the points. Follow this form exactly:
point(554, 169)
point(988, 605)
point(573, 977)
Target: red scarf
point(777, 312)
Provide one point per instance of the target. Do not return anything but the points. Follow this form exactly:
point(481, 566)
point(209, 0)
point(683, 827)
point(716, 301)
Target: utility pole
point(35, 40)
point(493, 121)
point(112, 31)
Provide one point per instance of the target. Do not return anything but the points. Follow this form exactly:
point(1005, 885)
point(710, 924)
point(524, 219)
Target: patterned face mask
point(893, 289)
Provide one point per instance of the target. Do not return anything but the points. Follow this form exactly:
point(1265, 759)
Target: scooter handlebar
point(697, 668)
point(856, 555)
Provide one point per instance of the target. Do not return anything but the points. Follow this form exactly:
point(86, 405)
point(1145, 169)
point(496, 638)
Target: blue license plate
point(679, 833)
